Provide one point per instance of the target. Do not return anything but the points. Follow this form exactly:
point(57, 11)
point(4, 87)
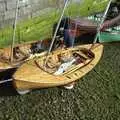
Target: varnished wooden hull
point(28, 76)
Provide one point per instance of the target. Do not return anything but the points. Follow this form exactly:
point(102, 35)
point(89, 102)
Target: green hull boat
point(109, 37)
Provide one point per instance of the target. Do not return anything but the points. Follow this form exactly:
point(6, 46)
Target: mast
point(53, 39)
point(102, 21)
point(14, 31)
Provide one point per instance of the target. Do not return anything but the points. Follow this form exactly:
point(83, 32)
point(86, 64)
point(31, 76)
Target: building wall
point(27, 9)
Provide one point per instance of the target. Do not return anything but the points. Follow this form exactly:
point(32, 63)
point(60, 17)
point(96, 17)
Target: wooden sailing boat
point(79, 61)
point(15, 55)
point(60, 67)
point(21, 53)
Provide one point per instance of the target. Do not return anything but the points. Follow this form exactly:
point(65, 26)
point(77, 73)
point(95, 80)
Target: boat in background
point(21, 53)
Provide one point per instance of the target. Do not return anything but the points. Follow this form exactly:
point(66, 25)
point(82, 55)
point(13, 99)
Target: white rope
point(14, 31)
point(4, 81)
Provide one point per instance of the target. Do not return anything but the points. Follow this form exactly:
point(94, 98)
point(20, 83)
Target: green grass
point(95, 97)
point(34, 29)
point(41, 27)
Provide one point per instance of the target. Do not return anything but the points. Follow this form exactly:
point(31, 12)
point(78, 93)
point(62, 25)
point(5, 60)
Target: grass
point(95, 97)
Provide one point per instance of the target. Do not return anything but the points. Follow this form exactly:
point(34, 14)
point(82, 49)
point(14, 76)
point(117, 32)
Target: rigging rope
point(4, 81)
point(14, 30)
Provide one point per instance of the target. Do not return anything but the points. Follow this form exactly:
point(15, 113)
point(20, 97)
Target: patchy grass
point(95, 97)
